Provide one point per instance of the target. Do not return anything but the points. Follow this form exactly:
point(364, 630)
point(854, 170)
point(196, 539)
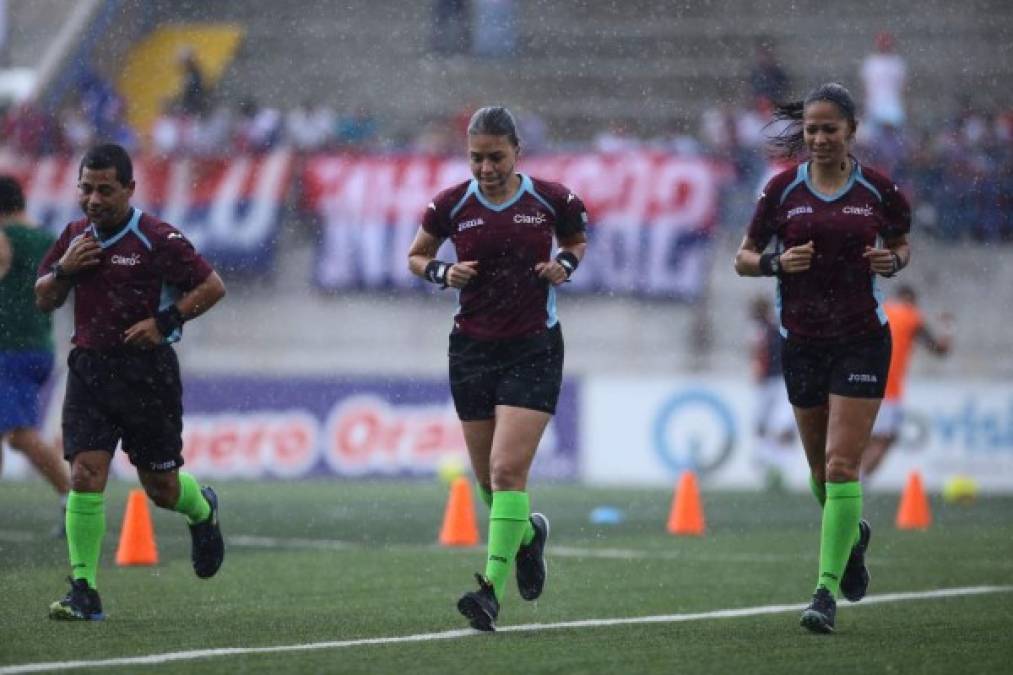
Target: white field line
point(197, 654)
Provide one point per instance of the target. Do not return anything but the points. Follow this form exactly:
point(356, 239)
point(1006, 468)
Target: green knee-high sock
point(86, 525)
point(191, 502)
point(485, 494)
point(529, 531)
point(840, 525)
point(507, 520)
point(819, 489)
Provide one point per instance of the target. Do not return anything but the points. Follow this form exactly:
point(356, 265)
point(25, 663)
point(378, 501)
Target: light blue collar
point(135, 218)
point(525, 186)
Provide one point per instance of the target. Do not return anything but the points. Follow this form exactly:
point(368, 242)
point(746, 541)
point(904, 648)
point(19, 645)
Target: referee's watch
point(770, 264)
point(775, 264)
point(60, 273)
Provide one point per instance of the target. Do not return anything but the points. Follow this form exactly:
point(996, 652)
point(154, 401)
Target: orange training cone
point(686, 516)
point(137, 539)
point(914, 513)
point(459, 525)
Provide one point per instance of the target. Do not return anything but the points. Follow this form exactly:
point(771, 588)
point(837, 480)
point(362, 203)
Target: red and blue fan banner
point(652, 217)
point(229, 207)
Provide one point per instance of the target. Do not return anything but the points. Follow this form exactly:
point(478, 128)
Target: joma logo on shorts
point(858, 210)
point(130, 261)
point(536, 219)
point(862, 377)
point(163, 466)
point(799, 210)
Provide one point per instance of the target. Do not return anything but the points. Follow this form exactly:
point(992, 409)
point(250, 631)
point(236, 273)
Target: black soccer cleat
point(81, 603)
point(532, 570)
point(855, 580)
point(207, 548)
point(819, 616)
point(480, 607)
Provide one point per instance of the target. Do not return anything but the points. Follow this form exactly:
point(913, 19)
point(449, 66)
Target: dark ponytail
point(791, 140)
point(494, 121)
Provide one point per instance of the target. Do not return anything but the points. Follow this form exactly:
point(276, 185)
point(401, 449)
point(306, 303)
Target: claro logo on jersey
point(537, 219)
point(857, 210)
point(468, 224)
point(129, 261)
point(799, 210)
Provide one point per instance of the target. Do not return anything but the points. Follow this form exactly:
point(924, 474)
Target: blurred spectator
point(257, 129)
point(78, 134)
point(356, 129)
point(310, 127)
point(28, 130)
point(615, 139)
point(436, 138)
point(493, 28)
point(212, 133)
point(767, 79)
point(5, 56)
point(169, 132)
point(533, 132)
point(451, 33)
point(193, 93)
point(104, 109)
point(884, 75)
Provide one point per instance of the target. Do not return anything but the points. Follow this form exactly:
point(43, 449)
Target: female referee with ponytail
point(506, 346)
point(835, 226)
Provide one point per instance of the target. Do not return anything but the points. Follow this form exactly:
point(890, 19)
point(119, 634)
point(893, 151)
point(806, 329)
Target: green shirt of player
point(22, 326)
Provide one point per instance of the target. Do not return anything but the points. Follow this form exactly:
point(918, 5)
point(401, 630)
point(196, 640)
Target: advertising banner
point(291, 428)
point(228, 207)
point(652, 216)
point(648, 431)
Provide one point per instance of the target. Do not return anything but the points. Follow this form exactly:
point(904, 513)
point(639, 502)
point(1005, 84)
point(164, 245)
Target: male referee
point(136, 280)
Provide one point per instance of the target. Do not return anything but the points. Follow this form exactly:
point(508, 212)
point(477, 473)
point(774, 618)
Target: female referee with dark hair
point(835, 225)
point(506, 346)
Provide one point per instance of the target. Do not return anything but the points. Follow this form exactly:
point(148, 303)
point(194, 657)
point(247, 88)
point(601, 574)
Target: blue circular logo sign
point(694, 430)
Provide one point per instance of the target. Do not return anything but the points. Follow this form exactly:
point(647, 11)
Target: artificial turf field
point(334, 562)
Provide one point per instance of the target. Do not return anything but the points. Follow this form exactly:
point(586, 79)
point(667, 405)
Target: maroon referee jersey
point(506, 299)
point(144, 267)
point(837, 296)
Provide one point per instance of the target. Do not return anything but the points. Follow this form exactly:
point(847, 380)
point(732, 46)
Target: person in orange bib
point(907, 325)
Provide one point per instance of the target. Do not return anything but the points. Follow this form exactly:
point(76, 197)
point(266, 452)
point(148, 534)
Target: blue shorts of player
point(22, 376)
point(131, 395)
point(523, 372)
point(855, 367)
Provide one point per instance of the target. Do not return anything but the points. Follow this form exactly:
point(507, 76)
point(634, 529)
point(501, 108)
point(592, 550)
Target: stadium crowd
point(959, 175)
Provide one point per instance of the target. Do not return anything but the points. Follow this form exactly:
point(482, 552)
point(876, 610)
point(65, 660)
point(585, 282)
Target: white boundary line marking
point(169, 657)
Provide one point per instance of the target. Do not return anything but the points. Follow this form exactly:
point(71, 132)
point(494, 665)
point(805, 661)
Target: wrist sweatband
point(168, 320)
point(569, 262)
point(767, 264)
point(897, 264)
point(436, 272)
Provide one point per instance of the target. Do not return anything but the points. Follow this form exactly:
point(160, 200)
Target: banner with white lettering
point(289, 428)
point(652, 216)
point(228, 207)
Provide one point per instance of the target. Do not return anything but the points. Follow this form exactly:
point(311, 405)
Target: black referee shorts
point(855, 367)
point(524, 372)
point(125, 394)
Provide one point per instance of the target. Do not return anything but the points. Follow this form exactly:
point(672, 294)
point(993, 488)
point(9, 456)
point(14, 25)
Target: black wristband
point(569, 262)
point(897, 264)
point(168, 320)
point(767, 264)
point(60, 273)
point(436, 272)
